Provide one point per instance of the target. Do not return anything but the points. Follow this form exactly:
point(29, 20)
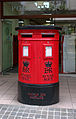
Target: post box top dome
point(38, 27)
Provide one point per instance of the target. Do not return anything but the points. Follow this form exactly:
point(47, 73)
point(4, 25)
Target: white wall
point(0, 46)
point(69, 53)
point(71, 4)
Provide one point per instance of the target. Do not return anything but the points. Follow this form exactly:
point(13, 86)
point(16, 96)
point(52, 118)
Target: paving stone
point(0, 116)
point(70, 110)
point(50, 117)
point(4, 117)
point(70, 114)
point(23, 107)
point(26, 111)
point(28, 108)
point(57, 109)
point(38, 112)
point(2, 112)
point(15, 109)
point(19, 114)
point(57, 113)
point(63, 117)
point(50, 113)
point(17, 117)
point(30, 118)
point(11, 117)
point(31, 115)
point(45, 108)
point(74, 114)
point(74, 110)
point(40, 108)
point(63, 110)
point(71, 118)
point(4, 108)
point(37, 116)
point(33, 111)
point(57, 117)
point(7, 113)
point(24, 118)
point(44, 112)
point(20, 110)
point(43, 116)
point(0, 106)
point(64, 114)
point(25, 115)
point(51, 109)
point(13, 113)
point(9, 109)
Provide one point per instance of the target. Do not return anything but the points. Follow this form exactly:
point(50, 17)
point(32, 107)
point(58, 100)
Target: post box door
point(39, 62)
point(47, 62)
point(25, 62)
point(43, 71)
point(44, 64)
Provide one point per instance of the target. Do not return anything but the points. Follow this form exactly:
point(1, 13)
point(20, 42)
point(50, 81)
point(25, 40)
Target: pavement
point(35, 112)
point(10, 108)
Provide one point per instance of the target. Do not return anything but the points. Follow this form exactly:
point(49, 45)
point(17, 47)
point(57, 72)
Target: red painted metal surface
point(36, 68)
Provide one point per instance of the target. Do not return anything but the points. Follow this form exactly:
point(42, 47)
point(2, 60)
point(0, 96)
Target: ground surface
point(10, 108)
point(35, 112)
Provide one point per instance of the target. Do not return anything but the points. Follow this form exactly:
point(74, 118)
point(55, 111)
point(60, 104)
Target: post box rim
point(38, 27)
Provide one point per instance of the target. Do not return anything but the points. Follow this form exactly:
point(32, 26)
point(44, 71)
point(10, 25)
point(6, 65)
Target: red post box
point(38, 82)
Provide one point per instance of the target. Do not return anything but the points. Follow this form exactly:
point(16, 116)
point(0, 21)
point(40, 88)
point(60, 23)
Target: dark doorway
point(15, 50)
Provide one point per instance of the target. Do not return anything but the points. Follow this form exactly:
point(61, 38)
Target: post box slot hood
point(38, 27)
point(27, 35)
point(46, 35)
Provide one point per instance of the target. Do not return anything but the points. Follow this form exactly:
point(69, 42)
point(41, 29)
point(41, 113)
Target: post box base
point(41, 94)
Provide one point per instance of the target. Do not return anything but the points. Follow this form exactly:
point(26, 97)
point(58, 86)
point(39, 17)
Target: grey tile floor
point(28, 112)
point(10, 108)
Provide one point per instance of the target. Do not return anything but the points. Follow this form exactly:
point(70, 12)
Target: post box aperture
point(38, 81)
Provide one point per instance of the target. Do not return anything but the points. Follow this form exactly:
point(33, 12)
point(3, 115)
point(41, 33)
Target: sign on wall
point(34, 7)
